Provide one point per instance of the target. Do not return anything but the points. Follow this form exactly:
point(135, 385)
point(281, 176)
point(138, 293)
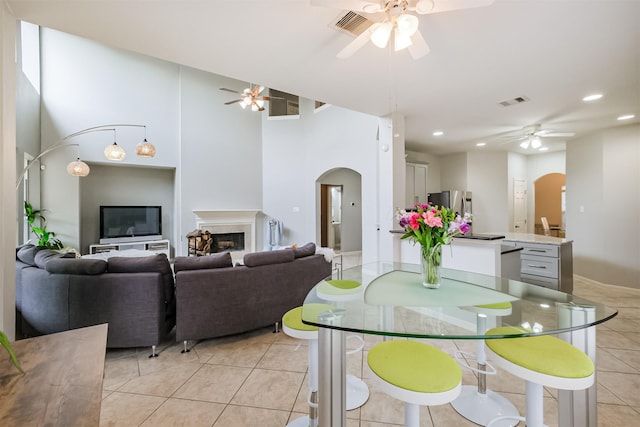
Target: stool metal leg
point(411, 415)
point(478, 404)
point(535, 407)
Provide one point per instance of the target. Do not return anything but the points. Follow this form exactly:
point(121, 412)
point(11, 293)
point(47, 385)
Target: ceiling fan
point(250, 97)
point(533, 135)
point(392, 20)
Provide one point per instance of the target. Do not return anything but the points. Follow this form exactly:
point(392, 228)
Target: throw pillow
point(219, 260)
point(27, 254)
point(45, 255)
point(256, 259)
point(76, 266)
point(306, 250)
point(157, 263)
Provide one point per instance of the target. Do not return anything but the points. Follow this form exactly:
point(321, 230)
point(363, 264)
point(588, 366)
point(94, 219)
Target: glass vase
point(430, 266)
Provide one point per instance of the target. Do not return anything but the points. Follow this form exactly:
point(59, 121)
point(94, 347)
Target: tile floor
point(259, 378)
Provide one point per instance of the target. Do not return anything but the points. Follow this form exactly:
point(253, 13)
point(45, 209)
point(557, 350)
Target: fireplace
point(233, 231)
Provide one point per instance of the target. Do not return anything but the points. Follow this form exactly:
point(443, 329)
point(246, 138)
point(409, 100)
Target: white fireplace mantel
point(228, 221)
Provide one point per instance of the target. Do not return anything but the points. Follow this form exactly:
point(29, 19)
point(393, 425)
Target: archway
point(549, 202)
point(339, 210)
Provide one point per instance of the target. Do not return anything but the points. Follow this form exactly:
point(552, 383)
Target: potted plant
point(46, 238)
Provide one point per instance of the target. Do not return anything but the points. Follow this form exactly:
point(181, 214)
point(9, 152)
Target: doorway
point(331, 216)
point(550, 203)
point(339, 210)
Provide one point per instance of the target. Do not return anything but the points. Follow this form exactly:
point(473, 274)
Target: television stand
point(158, 246)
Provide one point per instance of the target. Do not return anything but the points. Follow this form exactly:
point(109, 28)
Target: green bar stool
point(541, 360)
point(415, 373)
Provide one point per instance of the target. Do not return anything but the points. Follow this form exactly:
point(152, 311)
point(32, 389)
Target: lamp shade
point(407, 25)
point(114, 152)
point(145, 149)
point(380, 36)
point(78, 168)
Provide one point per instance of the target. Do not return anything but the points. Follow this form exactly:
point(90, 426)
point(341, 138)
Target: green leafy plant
point(45, 237)
point(7, 345)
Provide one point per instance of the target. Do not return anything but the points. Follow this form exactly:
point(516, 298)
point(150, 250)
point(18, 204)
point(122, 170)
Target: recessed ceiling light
point(543, 149)
point(592, 97)
point(438, 133)
point(481, 144)
point(626, 117)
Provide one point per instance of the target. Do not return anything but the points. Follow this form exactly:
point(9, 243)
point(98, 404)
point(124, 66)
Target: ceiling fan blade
point(269, 98)
point(356, 44)
point(434, 6)
point(233, 102)
point(552, 134)
point(229, 90)
point(370, 6)
point(419, 46)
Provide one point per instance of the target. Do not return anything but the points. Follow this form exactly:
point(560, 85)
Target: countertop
point(535, 238)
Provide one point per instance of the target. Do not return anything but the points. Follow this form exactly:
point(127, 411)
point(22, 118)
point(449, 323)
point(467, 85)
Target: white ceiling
point(554, 52)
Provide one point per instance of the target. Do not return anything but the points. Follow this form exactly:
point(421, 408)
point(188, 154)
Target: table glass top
point(392, 301)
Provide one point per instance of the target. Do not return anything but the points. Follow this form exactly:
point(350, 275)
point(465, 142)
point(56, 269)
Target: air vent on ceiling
point(514, 101)
point(351, 23)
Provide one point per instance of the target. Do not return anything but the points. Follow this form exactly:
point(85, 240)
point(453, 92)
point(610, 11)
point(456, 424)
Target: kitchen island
point(544, 260)
point(478, 253)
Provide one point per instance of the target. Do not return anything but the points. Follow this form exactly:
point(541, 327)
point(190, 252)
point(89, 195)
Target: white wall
point(453, 172)
point(7, 171)
point(85, 84)
point(298, 152)
point(603, 201)
point(487, 181)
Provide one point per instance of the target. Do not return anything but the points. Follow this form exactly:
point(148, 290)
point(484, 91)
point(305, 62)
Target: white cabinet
point(416, 184)
point(158, 246)
point(546, 263)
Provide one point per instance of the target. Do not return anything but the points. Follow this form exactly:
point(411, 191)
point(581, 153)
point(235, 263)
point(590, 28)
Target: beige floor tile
point(624, 386)
point(285, 357)
point(247, 416)
point(240, 353)
point(180, 412)
point(269, 389)
point(616, 415)
point(630, 357)
point(117, 371)
point(125, 409)
point(163, 382)
point(606, 360)
point(604, 395)
point(214, 383)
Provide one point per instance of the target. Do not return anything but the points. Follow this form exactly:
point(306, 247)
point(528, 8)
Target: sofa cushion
point(268, 257)
point(156, 263)
point(27, 254)
point(76, 266)
point(45, 255)
point(219, 260)
point(306, 250)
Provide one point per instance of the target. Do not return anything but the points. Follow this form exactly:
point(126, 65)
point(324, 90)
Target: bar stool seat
point(541, 360)
point(415, 373)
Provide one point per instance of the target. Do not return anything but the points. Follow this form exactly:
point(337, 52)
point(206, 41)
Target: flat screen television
point(130, 223)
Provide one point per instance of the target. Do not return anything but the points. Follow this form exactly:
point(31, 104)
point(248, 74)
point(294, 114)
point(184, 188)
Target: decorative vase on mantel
point(430, 266)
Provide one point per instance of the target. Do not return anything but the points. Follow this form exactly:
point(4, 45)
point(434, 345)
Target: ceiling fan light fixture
point(407, 25)
point(381, 34)
point(525, 144)
point(536, 143)
point(401, 41)
point(424, 6)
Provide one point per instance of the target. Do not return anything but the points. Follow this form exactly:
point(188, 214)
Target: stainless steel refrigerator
point(457, 200)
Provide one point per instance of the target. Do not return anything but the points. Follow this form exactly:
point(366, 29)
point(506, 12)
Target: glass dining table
point(391, 302)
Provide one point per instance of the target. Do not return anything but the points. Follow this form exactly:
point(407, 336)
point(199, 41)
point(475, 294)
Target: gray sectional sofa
point(55, 293)
point(215, 298)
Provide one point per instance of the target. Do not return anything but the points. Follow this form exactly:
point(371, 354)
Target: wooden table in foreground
point(62, 384)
